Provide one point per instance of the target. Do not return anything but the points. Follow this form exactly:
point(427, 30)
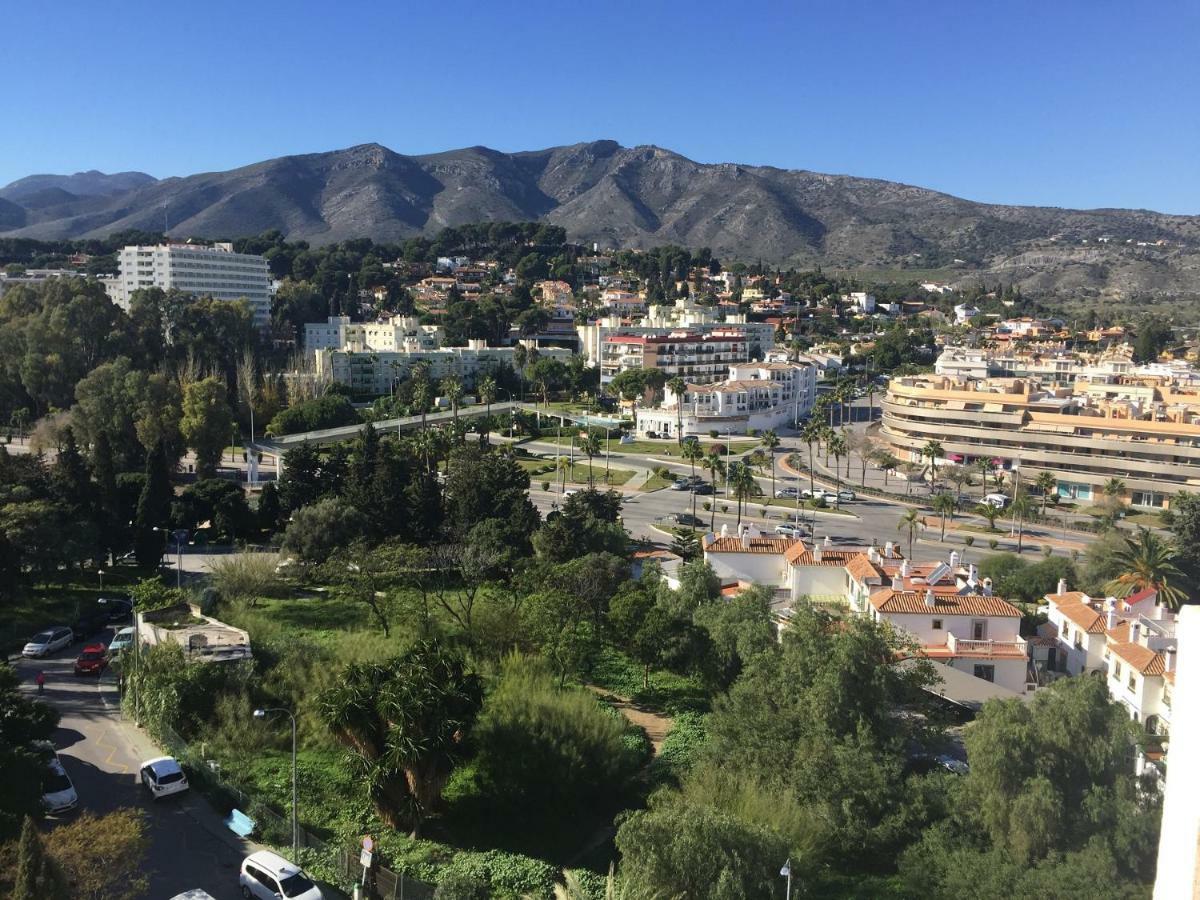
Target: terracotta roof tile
point(830, 556)
point(1143, 659)
point(733, 544)
point(1083, 616)
point(913, 602)
point(862, 569)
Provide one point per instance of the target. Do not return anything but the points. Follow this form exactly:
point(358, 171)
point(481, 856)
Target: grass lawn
point(657, 482)
point(544, 470)
point(28, 608)
point(660, 448)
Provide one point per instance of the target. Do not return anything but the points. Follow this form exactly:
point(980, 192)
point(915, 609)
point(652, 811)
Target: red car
point(92, 661)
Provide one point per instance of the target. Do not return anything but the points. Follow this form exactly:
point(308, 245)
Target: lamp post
point(262, 714)
point(100, 572)
point(786, 872)
point(178, 536)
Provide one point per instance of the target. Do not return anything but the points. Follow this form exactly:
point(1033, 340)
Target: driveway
point(189, 848)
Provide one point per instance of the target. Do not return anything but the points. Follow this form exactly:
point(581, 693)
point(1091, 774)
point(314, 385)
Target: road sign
point(364, 859)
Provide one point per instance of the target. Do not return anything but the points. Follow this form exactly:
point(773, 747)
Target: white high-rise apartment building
point(214, 271)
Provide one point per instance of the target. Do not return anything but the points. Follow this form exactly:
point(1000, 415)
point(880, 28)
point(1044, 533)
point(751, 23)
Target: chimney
point(1135, 631)
point(987, 587)
point(929, 598)
point(1110, 618)
point(1170, 653)
point(904, 568)
point(816, 552)
point(972, 574)
point(955, 559)
point(1062, 587)
point(889, 549)
point(828, 541)
point(746, 540)
point(873, 555)
point(897, 583)
point(725, 530)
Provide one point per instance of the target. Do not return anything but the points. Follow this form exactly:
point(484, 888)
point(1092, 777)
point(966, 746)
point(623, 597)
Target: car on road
point(571, 493)
point(58, 793)
point(163, 777)
point(844, 496)
point(681, 485)
point(122, 640)
point(118, 609)
point(686, 519)
point(787, 493)
point(702, 487)
point(788, 529)
point(194, 894)
point(1000, 501)
point(93, 660)
point(268, 876)
point(49, 641)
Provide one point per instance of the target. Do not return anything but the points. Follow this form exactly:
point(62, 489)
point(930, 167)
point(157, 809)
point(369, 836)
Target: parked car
point(787, 493)
point(119, 608)
point(818, 494)
point(570, 493)
point(58, 793)
point(49, 641)
point(690, 439)
point(122, 640)
point(681, 485)
point(90, 622)
point(952, 764)
point(163, 777)
point(1000, 501)
point(194, 894)
point(268, 876)
point(788, 529)
point(92, 661)
point(844, 496)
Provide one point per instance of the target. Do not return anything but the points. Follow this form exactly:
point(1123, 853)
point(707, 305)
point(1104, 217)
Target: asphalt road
point(103, 754)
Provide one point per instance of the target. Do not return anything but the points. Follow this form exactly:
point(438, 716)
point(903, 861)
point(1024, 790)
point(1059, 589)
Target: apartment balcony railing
point(1017, 648)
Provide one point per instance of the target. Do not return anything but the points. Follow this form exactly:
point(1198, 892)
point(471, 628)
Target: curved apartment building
point(1145, 431)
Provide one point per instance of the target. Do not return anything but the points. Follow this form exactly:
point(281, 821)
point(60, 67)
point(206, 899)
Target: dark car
point(92, 661)
point(90, 622)
point(702, 487)
point(118, 609)
point(685, 519)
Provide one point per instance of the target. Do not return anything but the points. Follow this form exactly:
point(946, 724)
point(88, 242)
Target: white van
point(269, 876)
point(1000, 501)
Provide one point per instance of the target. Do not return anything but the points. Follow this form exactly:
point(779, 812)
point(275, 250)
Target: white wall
point(1009, 673)
point(760, 568)
point(920, 626)
point(819, 581)
point(1179, 840)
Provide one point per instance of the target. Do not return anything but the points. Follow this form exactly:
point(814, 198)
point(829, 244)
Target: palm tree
point(692, 452)
point(887, 461)
point(910, 522)
point(590, 445)
point(716, 466)
point(743, 485)
point(944, 504)
point(836, 445)
point(1045, 483)
point(770, 440)
point(453, 389)
point(1148, 561)
point(1114, 487)
point(678, 386)
point(986, 467)
point(1021, 509)
point(811, 434)
point(563, 464)
point(933, 450)
point(487, 393)
point(989, 512)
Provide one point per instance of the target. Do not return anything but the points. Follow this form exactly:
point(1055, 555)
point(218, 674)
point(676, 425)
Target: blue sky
point(1059, 102)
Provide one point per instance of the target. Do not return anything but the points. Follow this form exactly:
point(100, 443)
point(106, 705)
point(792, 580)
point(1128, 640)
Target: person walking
point(41, 682)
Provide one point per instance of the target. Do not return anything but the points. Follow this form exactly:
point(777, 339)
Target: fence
point(338, 865)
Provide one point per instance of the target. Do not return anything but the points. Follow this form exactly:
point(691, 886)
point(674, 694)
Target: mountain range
point(634, 197)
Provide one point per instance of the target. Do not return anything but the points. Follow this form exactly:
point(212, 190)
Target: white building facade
point(214, 271)
point(756, 396)
point(398, 333)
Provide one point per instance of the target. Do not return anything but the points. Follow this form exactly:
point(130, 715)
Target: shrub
point(508, 875)
point(682, 745)
point(545, 485)
point(329, 411)
point(545, 751)
point(317, 530)
point(247, 576)
point(151, 594)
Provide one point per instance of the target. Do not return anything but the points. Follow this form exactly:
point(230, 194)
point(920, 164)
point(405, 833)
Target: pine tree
point(153, 509)
point(37, 877)
point(70, 477)
point(269, 509)
point(112, 529)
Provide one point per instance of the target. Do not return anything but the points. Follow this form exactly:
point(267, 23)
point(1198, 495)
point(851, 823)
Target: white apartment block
point(214, 271)
point(377, 372)
point(755, 396)
point(397, 333)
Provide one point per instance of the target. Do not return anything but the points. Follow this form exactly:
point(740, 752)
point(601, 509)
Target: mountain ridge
point(616, 196)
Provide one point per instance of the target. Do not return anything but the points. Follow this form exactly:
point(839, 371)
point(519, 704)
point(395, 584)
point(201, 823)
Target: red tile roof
point(734, 544)
point(1143, 659)
point(1081, 615)
point(913, 602)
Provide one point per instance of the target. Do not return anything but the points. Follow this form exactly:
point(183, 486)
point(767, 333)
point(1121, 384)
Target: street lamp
point(100, 572)
point(262, 714)
point(786, 872)
point(178, 536)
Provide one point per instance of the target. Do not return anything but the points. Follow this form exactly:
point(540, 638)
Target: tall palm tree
point(1045, 483)
point(811, 434)
point(1148, 561)
point(590, 445)
point(910, 522)
point(678, 386)
point(986, 467)
point(716, 466)
point(453, 389)
point(741, 481)
point(989, 512)
point(770, 441)
point(693, 452)
point(1022, 507)
point(836, 446)
point(944, 504)
point(933, 451)
point(487, 393)
point(563, 464)
point(1114, 487)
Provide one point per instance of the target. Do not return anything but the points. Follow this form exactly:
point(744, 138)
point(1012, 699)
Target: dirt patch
point(656, 725)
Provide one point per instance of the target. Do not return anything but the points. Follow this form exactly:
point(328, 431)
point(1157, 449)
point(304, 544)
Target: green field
point(544, 470)
point(659, 448)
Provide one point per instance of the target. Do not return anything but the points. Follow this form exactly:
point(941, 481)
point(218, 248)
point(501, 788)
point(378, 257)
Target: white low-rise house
point(964, 313)
point(403, 333)
point(861, 300)
point(757, 396)
point(1078, 624)
point(749, 557)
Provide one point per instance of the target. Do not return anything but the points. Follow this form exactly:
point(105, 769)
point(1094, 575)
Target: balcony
point(1017, 649)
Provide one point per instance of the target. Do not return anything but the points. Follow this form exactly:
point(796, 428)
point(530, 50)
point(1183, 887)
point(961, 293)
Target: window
point(937, 624)
point(1132, 681)
point(987, 673)
point(1117, 671)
